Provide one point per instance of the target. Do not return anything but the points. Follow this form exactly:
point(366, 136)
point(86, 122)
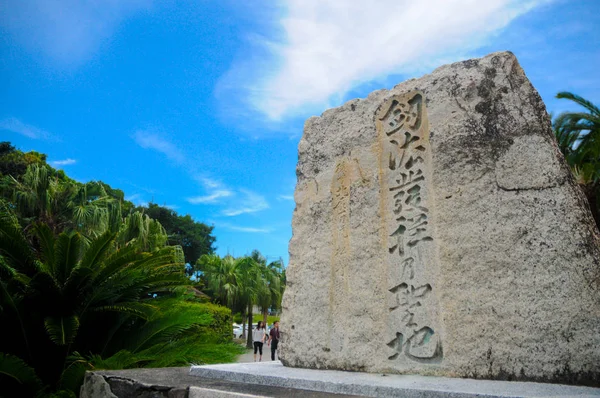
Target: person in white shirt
point(258, 338)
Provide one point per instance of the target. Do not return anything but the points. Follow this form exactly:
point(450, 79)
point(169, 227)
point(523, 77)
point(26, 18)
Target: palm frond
point(77, 285)
point(123, 359)
point(140, 310)
point(62, 330)
point(593, 109)
point(6, 271)
point(8, 302)
point(120, 259)
point(167, 325)
point(97, 250)
point(14, 247)
point(16, 375)
point(72, 377)
point(193, 349)
point(68, 250)
point(47, 245)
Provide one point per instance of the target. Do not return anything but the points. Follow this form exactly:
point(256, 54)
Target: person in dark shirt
point(274, 339)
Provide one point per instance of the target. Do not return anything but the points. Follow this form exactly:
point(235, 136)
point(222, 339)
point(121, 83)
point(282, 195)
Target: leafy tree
point(63, 204)
point(578, 136)
point(87, 282)
point(195, 238)
point(240, 283)
point(222, 277)
point(139, 229)
point(60, 297)
point(272, 286)
point(230, 281)
point(249, 285)
point(41, 193)
point(14, 162)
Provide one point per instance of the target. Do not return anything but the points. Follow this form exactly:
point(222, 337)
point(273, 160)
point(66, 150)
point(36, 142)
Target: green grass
point(237, 318)
point(221, 353)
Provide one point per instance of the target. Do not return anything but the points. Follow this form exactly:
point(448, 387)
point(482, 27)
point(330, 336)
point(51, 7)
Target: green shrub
point(220, 327)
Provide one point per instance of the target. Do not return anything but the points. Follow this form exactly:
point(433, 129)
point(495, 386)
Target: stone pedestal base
point(381, 385)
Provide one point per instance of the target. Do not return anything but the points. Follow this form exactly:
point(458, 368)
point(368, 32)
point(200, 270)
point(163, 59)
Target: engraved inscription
point(347, 177)
point(404, 142)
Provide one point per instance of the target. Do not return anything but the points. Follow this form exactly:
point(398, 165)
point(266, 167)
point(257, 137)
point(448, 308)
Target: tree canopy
point(40, 192)
point(89, 281)
point(194, 238)
point(244, 282)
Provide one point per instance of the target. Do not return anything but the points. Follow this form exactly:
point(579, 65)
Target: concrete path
point(249, 355)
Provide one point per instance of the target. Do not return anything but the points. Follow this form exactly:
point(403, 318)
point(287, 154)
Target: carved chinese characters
point(408, 237)
point(340, 190)
point(347, 178)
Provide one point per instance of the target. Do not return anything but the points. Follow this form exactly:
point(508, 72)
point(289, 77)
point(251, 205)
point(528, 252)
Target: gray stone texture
point(383, 385)
point(438, 231)
point(178, 383)
point(95, 386)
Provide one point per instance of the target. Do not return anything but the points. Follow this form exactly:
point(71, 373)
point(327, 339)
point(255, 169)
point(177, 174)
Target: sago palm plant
point(59, 296)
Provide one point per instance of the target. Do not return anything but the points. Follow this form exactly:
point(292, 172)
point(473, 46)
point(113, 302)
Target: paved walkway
point(382, 385)
point(249, 355)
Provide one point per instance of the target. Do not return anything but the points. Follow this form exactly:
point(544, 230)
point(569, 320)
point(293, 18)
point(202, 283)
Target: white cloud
point(332, 46)
point(210, 198)
point(16, 126)
point(244, 229)
point(66, 162)
point(250, 203)
point(216, 191)
point(67, 31)
point(286, 197)
point(210, 183)
point(151, 140)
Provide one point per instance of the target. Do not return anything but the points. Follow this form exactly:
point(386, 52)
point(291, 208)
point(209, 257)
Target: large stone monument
point(438, 231)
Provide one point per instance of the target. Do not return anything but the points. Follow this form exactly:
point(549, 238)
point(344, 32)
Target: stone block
point(439, 231)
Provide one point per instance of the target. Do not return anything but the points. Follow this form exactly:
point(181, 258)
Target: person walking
point(258, 338)
point(274, 339)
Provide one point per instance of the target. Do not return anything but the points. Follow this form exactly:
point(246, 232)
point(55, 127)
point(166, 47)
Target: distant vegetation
point(89, 281)
point(578, 136)
point(242, 283)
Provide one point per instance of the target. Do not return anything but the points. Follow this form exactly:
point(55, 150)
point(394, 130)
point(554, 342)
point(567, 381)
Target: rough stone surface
point(384, 385)
point(198, 392)
point(178, 383)
point(94, 386)
point(438, 231)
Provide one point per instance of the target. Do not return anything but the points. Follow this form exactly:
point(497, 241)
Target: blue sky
point(199, 105)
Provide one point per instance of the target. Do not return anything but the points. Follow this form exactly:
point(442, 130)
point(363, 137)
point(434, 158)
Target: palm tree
point(63, 205)
point(39, 196)
point(271, 291)
point(60, 296)
point(93, 211)
point(240, 283)
point(234, 282)
point(221, 277)
point(139, 229)
point(578, 136)
point(249, 285)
